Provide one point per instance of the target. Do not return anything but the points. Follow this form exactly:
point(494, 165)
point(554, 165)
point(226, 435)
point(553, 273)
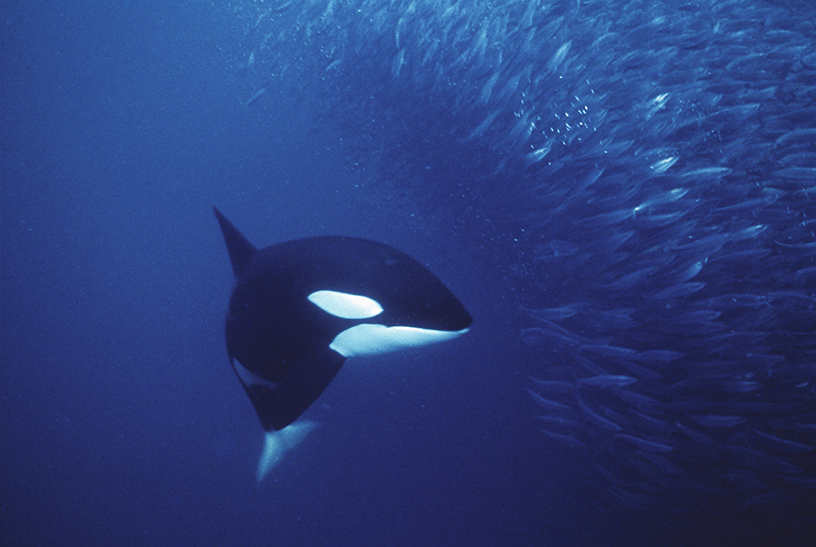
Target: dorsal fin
point(239, 248)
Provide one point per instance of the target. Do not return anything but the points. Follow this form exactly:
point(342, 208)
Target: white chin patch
point(370, 339)
point(347, 306)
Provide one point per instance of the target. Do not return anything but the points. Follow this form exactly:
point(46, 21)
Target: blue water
point(124, 123)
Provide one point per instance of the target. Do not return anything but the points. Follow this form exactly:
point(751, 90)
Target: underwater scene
point(508, 272)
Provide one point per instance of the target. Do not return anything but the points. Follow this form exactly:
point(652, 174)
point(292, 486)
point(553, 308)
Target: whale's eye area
point(347, 306)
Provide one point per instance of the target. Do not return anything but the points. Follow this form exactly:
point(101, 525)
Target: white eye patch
point(347, 306)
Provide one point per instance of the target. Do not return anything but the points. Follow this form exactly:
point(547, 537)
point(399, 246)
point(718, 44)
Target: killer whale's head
point(301, 307)
point(386, 300)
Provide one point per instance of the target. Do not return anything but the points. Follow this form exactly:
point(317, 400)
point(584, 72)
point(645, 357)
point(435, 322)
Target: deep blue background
point(122, 423)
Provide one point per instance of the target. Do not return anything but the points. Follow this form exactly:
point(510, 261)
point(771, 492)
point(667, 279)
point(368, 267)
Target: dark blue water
point(124, 123)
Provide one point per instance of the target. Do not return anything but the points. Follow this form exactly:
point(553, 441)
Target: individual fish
point(554, 386)
point(596, 418)
point(608, 380)
point(546, 403)
point(713, 420)
point(257, 95)
point(780, 444)
point(643, 444)
point(564, 439)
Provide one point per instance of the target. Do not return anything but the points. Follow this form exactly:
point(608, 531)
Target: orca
point(299, 309)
